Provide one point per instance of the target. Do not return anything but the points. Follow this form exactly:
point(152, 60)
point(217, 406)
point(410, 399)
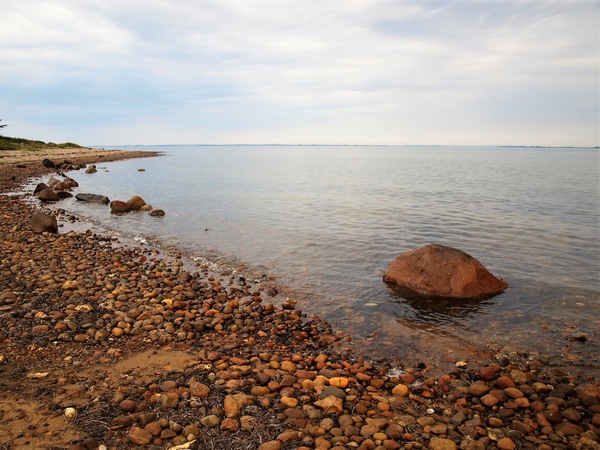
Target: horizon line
point(344, 145)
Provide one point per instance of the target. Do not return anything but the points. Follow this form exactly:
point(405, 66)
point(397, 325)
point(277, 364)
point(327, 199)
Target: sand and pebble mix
point(107, 346)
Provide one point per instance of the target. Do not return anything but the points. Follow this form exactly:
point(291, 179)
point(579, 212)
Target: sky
point(110, 72)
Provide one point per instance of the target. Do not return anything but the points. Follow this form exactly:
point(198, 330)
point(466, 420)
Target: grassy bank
point(12, 143)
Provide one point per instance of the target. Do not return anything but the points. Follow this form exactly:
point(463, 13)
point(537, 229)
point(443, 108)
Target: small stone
point(504, 382)
point(339, 382)
point(518, 376)
point(368, 430)
point(191, 429)
point(117, 332)
point(270, 445)
point(489, 400)
point(168, 385)
point(70, 285)
point(233, 404)
point(332, 391)
point(288, 366)
point(287, 436)
point(121, 421)
point(571, 415)
point(210, 421)
point(290, 402)
point(588, 394)
point(441, 444)
point(569, 429)
point(147, 418)
point(506, 444)
point(513, 392)
point(470, 444)
point(70, 413)
point(170, 400)
point(39, 329)
point(127, 405)
point(331, 405)
point(425, 421)
point(139, 436)
point(230, 424)
point(541, 387)
point(198, 389)
point(401, 390)
point(247, 423)
point(487, 373)
point(478, 389)
point(167, 434)
point(154, 428)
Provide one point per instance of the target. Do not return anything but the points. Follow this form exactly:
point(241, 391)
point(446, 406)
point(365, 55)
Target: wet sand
point(104, 345)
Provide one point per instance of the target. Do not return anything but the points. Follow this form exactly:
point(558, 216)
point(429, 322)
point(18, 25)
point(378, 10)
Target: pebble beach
point(109, 346)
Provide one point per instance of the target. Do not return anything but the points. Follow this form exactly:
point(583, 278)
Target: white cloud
point(302, 71)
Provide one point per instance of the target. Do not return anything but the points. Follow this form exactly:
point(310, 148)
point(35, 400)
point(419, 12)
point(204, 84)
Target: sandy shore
point(106, 346)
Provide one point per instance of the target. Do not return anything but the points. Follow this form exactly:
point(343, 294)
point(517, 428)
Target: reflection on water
point(435, 309)
point(327, 221)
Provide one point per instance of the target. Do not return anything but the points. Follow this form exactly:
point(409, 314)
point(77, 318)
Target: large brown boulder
point(40, 187)
point(135, 203)
point(118, 207)
point(41, 222)
point(48, 195)
point(439, 271)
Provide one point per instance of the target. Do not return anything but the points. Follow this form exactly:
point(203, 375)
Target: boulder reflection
point(420, 311)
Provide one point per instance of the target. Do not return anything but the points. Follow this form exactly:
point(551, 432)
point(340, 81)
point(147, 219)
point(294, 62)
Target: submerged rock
point(93, 198)
point(64, 194)
point(440, 271)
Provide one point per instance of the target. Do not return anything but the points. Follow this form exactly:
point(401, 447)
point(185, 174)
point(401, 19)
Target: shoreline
point(149, 354)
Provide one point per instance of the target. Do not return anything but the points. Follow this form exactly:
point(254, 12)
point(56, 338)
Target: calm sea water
point(327, 221)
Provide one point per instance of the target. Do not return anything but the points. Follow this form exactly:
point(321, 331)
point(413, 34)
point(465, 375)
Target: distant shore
point(105, 345)
point(16, 166)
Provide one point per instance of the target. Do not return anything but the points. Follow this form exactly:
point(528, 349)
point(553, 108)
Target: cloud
point(302, 71)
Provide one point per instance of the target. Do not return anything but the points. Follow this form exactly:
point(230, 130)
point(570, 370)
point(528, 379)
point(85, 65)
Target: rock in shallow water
point(136, 202)
point(439, 271)
point(93, 198)
point(119, 207)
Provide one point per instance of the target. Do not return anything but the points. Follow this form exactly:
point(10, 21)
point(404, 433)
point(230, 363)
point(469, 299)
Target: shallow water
point(327, 221)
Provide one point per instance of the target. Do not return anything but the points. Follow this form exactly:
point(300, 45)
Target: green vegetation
point(11, 143)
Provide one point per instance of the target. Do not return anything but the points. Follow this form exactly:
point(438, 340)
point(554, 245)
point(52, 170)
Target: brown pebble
point(442, 444)
point(128, 405)
point(139, 436)
point(230, 424)
point(506, 444)
point(569, 429)
point(270, 445)
point(489, 400)
point(513, 392)
point(478, 389)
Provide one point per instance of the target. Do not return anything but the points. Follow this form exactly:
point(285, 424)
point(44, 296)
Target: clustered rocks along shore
point(113, 347)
